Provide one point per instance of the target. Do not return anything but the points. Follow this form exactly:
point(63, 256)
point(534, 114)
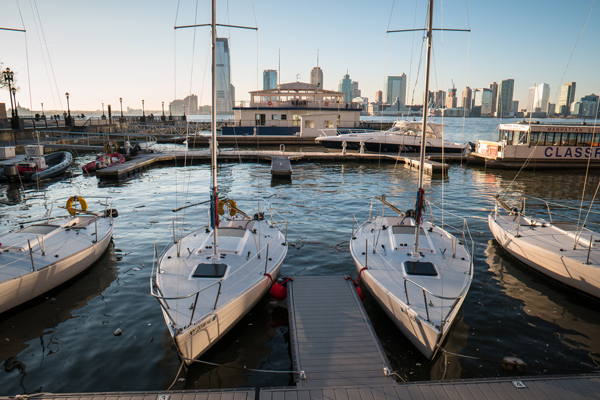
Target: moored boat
point(44, 166)
point(535, 145)
point(104, 161)
point(41, 256)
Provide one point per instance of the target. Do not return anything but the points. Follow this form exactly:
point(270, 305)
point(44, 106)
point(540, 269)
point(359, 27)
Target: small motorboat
point(45, 166)
point(107, 160)
point(42, 256)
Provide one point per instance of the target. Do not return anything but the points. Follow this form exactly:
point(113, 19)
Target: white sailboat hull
point(568, 266)
point(22, 288)
point(194, 341)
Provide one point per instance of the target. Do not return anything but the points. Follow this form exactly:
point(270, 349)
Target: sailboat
point(564, 250)
point(208, 280)
point(417, 271)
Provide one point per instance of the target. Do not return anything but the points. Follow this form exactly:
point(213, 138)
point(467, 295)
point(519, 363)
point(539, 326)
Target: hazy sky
point(101, 51)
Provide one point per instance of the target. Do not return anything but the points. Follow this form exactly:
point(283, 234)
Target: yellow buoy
point(73, 199)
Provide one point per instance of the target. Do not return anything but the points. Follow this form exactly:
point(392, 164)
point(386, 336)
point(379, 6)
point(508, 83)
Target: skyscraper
point(567, 97)
point(225, 97)
point(355, 90)
point(379, 97)
point(451, 100)
point(494, 89)
point(269, 79)
point(504, 104)
point(395, 89)
point(345, 86)
point(466, 98)
point(316, 77)
point(482, 102)
point(439, 99)
point(538, 98)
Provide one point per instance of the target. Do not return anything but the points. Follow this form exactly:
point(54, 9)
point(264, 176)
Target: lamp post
point(103, 116)
point(163, 118)
point(143, 119)
point(43, 110)
point(8, 78)
point(68, 119)
point(170, 114)
point(121, 100)
point(184, 112)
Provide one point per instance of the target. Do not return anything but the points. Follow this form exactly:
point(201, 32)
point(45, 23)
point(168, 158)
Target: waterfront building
point(395, 89)
point(567, 97)
point(494, 89)
point(466, 98)
point(482, 103)
point(295, 108)
point(537, 100)
point(551, 110)
point(269, 79)
point(451, 100)
point(590, 105)
point(316, 77)
point(190, 102)
point(225, 95)
point(504, 104)
point(515, 107)
point(439, 99)
point(379, 97)
point(345, 86)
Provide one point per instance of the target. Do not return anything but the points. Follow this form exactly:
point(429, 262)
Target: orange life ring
point(270, 104)
point(326, 104)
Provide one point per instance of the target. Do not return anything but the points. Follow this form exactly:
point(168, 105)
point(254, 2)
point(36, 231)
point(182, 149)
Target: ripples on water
point(64, 342)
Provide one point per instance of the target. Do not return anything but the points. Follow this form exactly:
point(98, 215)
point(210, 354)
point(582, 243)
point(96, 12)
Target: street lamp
point(163, 118)
point(14, 93)
point(103, 116)
point(68, 120)
point(42, 110)
point(143, 119)
point(121, 100)
point(8, 78)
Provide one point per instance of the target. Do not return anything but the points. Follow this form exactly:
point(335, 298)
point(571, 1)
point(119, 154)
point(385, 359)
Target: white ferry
point(538, 145)
point(296, 108)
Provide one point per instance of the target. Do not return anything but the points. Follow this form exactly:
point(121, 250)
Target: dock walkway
point(144, 160)
point(333, 341)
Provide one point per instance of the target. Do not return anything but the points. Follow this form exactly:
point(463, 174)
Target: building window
point(328, 124)
point(338, 120)
point(283, 117)
point(273, 117)
point(296, 120)
point(309, 124)
point(259, 119)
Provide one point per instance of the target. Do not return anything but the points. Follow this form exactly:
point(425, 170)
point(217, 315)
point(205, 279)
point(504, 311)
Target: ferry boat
point(293, 109)
point(535, 145)
point(403, 136)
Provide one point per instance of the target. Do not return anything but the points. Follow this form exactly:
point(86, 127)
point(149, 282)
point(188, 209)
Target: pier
point(144, 161)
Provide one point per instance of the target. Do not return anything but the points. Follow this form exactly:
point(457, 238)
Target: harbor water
point(65, 342)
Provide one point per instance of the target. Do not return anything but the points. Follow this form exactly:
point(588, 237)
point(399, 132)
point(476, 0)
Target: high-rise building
point(589, 104)
point(482, 102)
point(345, 86)
point(451, 100)
point(191, 104)
point(269, 79)
point(379, 97)
point(395, 89)
point(355, 90)
point(515, 107)
point(439, 99)
point(225, 96)
point(537, 100)
point(504, 104)
point(494, 89)
point(551, 110)
point(466, 98)
point(316, 77)
point(567, 97)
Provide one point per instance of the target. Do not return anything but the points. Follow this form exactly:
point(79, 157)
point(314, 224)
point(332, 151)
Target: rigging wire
point(49, 59)
point(27, 60)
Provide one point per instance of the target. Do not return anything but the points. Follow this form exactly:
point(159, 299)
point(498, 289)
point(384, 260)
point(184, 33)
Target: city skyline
point(134, 62)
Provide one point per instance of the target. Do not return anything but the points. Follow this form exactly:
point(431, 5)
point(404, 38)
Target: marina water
point(65, 342)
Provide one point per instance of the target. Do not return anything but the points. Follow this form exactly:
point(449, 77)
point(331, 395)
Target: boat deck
point(333, 341)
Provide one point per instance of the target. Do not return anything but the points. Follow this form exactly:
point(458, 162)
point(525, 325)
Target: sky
point(102, 51)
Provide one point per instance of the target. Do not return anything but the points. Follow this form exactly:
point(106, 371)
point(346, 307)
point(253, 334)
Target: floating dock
point(333, 342)
point(144, 161)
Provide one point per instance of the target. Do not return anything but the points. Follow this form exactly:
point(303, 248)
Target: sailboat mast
point(213, 153)
point(425, 112)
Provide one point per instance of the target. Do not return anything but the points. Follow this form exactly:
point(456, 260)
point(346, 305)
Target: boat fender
point(112, 212)
point(221, 210)
point(279, 290)
point(356, 283)
point(233, 207)
point(73, 199)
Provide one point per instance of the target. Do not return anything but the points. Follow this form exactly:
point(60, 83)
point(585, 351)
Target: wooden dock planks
point(218, 394)
point(332, 339)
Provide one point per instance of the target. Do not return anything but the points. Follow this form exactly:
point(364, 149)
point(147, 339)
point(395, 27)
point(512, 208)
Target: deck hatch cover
point(209, 270)
point(420, 268)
